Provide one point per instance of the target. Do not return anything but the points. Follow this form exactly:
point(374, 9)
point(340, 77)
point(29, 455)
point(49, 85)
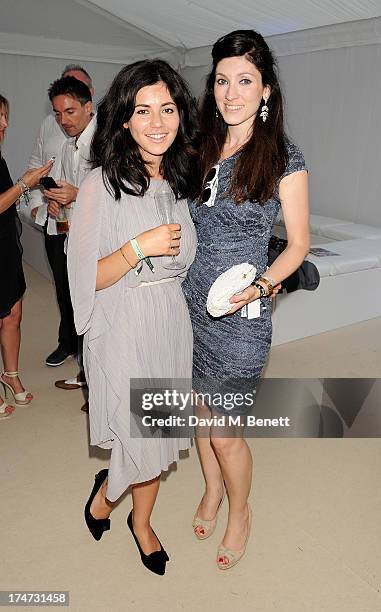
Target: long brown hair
point(263, 158)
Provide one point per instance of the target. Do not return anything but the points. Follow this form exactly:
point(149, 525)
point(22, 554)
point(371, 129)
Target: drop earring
point(264, 111)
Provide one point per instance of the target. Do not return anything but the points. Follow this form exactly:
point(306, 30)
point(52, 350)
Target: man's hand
point(33, 212)
point(53, 208)
point(64, 195)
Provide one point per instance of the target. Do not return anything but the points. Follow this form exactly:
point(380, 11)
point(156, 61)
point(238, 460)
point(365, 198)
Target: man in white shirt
point(49, 144)
point(72, 104)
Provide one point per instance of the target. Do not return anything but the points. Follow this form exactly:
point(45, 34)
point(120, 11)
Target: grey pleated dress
point(131, 329)
point(230, 352)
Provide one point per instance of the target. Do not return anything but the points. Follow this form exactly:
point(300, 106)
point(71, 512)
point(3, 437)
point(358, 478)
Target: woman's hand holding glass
point(166, 207)
point(162, 240)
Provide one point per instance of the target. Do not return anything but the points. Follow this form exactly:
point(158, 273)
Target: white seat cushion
point(319, 223)
point(352, 230)
point(322, 265)
point(353, 256)
point(315, 240)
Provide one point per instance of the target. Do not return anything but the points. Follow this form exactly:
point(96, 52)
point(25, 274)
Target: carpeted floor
point(315, 544)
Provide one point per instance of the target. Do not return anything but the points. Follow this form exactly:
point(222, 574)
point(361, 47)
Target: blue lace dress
point(230, 352)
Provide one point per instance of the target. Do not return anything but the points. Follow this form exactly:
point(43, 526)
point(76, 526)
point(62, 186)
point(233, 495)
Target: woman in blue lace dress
point(250, 169)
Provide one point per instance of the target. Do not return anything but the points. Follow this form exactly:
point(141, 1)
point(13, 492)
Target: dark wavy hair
point(263, 158)
point(70, 86)
point(114, 149)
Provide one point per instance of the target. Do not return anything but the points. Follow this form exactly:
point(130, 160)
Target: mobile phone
point(48, 183)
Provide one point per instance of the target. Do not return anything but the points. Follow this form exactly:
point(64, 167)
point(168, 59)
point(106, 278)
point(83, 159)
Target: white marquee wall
point(24, 81)
point(331, 80)
point(333, 96)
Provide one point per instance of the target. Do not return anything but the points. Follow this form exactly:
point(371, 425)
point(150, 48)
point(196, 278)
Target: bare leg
point(214, 484)
point(235, 459)
point(5, 409)
point(144, 496)
point(101, 507)
point(10, 337)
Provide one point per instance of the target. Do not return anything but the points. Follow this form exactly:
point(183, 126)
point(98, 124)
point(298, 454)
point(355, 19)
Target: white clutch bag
point(232, 281)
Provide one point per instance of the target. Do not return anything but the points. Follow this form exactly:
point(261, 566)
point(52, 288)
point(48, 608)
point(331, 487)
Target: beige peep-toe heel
point(233, 556)
point(207, 526)
point(5, 410)
point(21, 398)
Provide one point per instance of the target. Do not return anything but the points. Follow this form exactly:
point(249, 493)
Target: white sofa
point(350, 285)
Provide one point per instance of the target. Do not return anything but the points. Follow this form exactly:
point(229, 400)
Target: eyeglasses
point(211, 183)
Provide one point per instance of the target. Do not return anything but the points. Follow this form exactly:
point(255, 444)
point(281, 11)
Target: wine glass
point(165, 202)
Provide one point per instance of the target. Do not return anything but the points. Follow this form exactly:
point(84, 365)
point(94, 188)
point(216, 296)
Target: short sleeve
point(296, 161)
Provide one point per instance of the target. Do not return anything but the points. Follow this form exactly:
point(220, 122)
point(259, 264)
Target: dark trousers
point(67, 336)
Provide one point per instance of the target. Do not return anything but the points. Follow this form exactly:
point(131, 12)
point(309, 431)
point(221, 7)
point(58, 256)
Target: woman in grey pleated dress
point(250, 169)
point(127, 303)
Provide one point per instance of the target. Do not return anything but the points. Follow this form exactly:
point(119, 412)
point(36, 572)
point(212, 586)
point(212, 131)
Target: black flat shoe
point(96, 526)
point(156, 561)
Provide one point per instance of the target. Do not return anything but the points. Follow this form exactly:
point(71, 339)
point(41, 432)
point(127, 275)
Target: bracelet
point(25, 190)
point(131, 266)
point(272, 281)
point(269, 284)
point(23, 185)
point(139, 253)
point(261, 289)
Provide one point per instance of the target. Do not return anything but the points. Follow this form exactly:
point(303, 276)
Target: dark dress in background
point(12, 281)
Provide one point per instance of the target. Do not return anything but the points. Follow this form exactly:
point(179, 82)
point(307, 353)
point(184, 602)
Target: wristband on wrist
point(137, 250)
point(139, 253)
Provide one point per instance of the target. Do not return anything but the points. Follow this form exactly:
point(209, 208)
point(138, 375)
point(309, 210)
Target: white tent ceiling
point(117, 30)
point(194, 24)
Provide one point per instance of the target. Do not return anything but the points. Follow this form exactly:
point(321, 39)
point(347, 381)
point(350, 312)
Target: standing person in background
point(49, 144)
point(249, 170)
point(11, 271)
point(72, 105)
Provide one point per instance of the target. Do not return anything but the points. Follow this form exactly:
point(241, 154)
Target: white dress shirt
point(76, 155)
point(49, 143)
point(76, 161)
point(76, 158)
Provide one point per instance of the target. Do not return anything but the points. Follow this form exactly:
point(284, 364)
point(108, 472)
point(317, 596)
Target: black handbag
point(305, 277)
